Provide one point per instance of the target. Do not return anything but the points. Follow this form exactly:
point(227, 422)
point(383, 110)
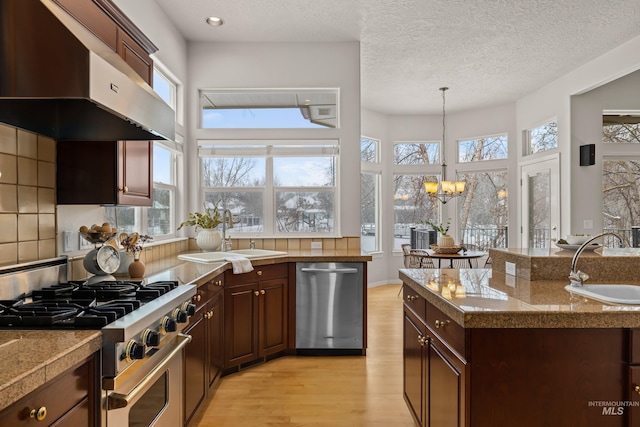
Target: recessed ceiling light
point(214, 21)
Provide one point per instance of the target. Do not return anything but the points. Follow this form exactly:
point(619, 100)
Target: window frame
point(526, 138)
point(374, 169)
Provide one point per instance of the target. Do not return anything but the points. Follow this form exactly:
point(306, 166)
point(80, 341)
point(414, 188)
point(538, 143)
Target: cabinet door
point(195, 366)
point(415, 367)
point(634, 395)
point(135, 56)
point(444, 389)
point(135, 180)
point(215, 334)
point(273, 311)
point(241, 324)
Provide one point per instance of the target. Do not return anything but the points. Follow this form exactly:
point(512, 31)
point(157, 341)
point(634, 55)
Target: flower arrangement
point(211, 218)
point(440, 228)
point(133, 243)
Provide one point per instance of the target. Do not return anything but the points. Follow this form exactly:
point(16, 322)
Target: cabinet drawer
point(634, 347)
point(54, 399)
point(215, 285)
point(415, 302)
point(201, 297)
point(446, 329)
point(259, 273)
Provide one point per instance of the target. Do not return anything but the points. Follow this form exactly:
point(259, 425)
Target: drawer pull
point(259, 272)
point(637, 389)
point(197, 298)
point(411, 297)
point(262, 292)
point(39, 414)
point(218, 282)
point(441, 323)
point(256, 293)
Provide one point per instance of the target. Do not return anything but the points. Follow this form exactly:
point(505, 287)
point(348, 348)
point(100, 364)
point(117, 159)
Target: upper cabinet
point(108, 172)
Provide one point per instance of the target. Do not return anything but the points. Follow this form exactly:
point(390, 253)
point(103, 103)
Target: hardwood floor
point(323, 391)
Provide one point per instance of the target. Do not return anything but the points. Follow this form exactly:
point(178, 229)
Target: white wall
point(285, 65)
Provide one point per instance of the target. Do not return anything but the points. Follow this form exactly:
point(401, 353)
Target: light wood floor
point(338, 391)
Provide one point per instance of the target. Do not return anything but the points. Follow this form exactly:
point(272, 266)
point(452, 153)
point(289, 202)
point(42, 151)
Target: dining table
point(468, 255)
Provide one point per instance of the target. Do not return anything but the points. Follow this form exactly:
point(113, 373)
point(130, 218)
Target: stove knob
point(151, 338)
point(134, 351)
point(167, 325)
point(182, 316)
point(190, 309)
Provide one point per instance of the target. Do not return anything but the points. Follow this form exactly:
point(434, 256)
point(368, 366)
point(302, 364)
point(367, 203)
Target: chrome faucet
point(578, 277)
point(226, 213)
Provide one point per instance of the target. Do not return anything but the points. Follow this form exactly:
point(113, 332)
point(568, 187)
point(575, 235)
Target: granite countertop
point(494, 300)
point(32, 357)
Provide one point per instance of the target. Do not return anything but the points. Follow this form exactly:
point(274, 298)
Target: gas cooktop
point(79, 305)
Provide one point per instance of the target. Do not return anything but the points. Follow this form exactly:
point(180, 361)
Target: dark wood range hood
point(60, 80)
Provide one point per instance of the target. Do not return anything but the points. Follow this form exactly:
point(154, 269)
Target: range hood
point(59, 80)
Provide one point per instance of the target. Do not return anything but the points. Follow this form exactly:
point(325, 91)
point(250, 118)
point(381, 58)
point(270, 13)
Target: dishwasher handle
point(329, 270)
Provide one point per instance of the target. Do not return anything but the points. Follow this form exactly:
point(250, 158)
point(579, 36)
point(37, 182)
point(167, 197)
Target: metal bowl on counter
point(96, 237)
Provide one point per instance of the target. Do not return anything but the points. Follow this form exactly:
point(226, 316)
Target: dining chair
point(416, 258)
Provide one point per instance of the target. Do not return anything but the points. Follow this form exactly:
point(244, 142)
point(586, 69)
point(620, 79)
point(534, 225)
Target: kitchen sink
point(618, 294)
point(207, 257)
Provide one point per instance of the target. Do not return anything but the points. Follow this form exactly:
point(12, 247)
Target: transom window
point(620, 127)
point(542, 138)
point(416, 153)
point(479, 149)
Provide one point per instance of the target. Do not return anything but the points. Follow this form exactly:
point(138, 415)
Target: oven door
point(153, 397)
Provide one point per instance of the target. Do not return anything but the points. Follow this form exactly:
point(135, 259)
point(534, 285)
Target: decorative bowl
point(577, 239)
point(445, 249)
point(97, 236)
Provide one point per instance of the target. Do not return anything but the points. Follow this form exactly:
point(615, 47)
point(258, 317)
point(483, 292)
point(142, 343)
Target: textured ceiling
point(487, 52)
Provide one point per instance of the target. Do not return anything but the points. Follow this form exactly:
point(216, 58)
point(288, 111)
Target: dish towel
point(240, 264)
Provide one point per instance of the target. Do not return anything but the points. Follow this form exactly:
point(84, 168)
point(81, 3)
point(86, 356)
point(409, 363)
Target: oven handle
point(119, 400)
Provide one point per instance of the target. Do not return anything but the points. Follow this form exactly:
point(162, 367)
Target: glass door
point(540, 202)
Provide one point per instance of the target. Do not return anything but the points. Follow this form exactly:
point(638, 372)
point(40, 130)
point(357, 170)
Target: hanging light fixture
point(445, 190)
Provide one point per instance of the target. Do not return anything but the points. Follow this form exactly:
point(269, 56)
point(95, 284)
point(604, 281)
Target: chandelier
point(445, 190)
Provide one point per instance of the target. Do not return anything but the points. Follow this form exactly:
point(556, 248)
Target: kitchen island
point(485, 349)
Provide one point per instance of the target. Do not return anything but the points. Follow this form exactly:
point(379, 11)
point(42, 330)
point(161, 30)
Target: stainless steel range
point(141, 324)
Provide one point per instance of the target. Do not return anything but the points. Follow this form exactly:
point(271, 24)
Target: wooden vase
point(136, 269)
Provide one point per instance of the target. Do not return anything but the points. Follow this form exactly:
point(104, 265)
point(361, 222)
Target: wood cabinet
point(528, 377)
point(108, 172)
point(256, 310)
point(203, 355)
point(104, 172)
point(70, 400)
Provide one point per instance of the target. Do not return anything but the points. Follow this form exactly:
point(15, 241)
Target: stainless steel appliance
point(141, 324)
point(329, 308)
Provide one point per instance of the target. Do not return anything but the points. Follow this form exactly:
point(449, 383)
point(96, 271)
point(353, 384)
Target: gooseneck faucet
point(578, 277)
point(226, 213)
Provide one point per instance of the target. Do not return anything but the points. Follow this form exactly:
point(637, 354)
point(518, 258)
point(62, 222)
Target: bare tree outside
point(543, 138)
point(621, 178)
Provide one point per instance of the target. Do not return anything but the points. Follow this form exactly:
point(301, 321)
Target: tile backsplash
point(27, 196)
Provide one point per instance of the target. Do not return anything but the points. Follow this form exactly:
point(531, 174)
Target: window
point(165, 88)
point(487, 148)
point(542, 138)
point(273, 187)
point(250, 109)
point(411, 206)
point(419, 153)
point(620, 189)
point(484, 209)
point(620, 128)
point(370, 177)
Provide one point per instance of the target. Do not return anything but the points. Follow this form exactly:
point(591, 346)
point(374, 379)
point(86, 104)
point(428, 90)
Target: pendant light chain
point(444, 161)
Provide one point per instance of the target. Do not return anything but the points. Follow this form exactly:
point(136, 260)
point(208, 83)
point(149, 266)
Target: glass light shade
point(460, 186)
point(431, 187)
point(447, 186)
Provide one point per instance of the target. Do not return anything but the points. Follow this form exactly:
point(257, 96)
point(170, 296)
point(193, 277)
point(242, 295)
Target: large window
point(273, 187)
point(370, 176)
point(484, 209)
point(541, 138)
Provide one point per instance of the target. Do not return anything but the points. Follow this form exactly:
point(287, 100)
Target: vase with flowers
point(208, 238)
point(133, 244)
point(444, 240)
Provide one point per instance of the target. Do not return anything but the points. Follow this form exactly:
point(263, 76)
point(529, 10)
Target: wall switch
point(510, 268)
point(587, 224)
point(67, 242)
point(83, 244)
point(316, 245)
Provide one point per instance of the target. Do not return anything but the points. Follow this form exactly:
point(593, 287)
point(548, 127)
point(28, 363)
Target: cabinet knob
point(441, 323)
point(422, 340)
point(124, 189)
point(38, 414)
point(218, 283)
point(262, 292)
point(637, 389)
point(197, 298)
point(256, 293)
point(259, 272)
point(411, 297)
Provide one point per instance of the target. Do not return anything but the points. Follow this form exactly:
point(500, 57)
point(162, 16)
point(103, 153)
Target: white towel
point(240, 264)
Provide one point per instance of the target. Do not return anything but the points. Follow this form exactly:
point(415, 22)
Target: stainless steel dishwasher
point(329, 308)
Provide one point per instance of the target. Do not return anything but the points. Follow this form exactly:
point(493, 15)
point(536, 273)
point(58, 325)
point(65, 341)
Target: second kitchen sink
point(207, 257)
point(617, 294)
